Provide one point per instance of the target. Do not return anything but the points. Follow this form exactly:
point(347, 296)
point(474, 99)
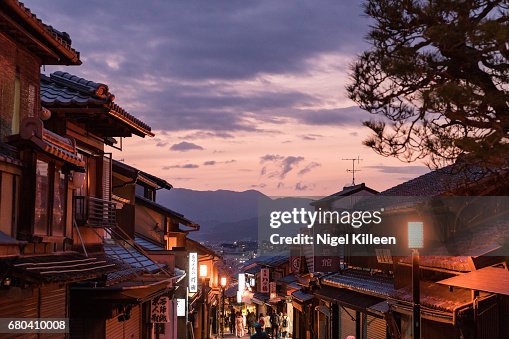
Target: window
point(50, 199)
point(146, 192)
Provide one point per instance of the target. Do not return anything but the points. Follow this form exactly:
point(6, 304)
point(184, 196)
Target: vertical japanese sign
point(295, 264)
point(193, 272)
point(242, 282)
point(272, 286)
point(159, 312)
point(264, 280)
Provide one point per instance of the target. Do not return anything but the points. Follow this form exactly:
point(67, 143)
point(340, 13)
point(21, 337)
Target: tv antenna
point(353, 170)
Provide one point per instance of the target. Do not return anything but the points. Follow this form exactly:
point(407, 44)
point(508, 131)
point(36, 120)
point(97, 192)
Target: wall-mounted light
point(203, 271)
point(415, 234)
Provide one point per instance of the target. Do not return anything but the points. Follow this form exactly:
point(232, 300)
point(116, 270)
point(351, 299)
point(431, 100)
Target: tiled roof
point(58, 267)
point(346, 191)
point(267, 261)
point(60, 40)
point(302, 296)
point(131, 257)
point(134, 173)
point(62, 89)
point(288, 279)
point(438, 182)
point(9, 154)
point(435, 296)
point(147, 245)
point(180, 217)
point(361, 281)
point(231, 291)
point(452, 263)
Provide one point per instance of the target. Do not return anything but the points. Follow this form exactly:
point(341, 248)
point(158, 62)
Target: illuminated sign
point(193, 272)
point(181, 307)
point(242, 282)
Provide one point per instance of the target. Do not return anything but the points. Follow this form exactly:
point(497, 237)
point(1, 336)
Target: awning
point(302, 296)
point(323, 309)
point(382, 308)
point(66, 267)
point(358, 301)
point(133, 291)
point(63, 148)
point(260, 298)
point(488, 279)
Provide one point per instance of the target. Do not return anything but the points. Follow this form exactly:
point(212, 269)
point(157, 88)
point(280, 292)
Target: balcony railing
point(94, 212)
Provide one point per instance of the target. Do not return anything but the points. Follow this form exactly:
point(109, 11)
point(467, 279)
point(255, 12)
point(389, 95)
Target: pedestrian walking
point(267, 323)
point(239, 325)
point(232, 322)
point(251, 320)
point(261, 321)
point(286, 326)
point(274, 325)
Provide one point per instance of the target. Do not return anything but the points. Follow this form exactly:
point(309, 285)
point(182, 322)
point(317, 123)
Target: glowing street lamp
point(416, 241)
point(223, 282)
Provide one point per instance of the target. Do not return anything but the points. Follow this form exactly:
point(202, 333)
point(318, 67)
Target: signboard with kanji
point(159, 310)
point(326, 263)
point(193, 272)
point(264, 280)
point(295, 264)
point(272, 286)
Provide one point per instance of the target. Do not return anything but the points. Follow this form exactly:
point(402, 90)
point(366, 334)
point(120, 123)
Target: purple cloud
point(185, 146)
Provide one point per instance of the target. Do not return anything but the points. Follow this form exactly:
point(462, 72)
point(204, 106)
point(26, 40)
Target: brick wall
point(14, 56)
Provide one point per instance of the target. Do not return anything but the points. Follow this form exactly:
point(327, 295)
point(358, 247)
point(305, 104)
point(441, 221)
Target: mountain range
point(225, 215)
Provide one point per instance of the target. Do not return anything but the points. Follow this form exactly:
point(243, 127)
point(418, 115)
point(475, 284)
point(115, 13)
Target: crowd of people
point(272, 325)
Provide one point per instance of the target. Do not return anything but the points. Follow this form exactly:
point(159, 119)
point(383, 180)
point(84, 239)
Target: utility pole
point(353, 170)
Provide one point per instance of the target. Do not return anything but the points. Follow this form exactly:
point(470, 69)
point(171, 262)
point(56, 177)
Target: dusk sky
point(240, 94)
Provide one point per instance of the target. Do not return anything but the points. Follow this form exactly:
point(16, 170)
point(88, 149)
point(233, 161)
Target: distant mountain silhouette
point(224, 215)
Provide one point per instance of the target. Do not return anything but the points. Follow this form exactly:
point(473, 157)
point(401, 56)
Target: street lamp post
point(203, 276)
point(223, 286)
point(416, 241)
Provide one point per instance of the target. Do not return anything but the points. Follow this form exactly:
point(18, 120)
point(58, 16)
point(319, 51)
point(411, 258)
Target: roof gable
point(89, 101)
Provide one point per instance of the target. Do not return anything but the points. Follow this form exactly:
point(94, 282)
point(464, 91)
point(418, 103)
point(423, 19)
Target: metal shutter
point(347, 324)
point(124, 329)
point(375, 328)
point(487, 317)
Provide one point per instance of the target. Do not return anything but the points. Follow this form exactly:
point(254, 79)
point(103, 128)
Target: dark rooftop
point(64, 90)
point(346, 191)
point(180, 217)
point(133, 172)
point(361, 281)
point(69, 266)
point(147, 245)
point(435, 296)
point(131, 257)
point(438, 182)
point(57, 41)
